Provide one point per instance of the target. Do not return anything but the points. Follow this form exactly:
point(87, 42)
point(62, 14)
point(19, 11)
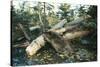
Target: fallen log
point(23, 30)
point(40, 41)
point(22, 45)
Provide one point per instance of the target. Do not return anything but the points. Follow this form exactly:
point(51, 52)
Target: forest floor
point(48, 55)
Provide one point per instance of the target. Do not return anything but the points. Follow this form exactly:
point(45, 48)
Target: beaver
point(60, 44)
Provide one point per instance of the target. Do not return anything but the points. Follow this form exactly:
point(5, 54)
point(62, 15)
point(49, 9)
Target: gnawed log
point(36, 44)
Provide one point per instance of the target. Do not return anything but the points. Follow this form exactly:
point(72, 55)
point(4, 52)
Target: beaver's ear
point(47, 32)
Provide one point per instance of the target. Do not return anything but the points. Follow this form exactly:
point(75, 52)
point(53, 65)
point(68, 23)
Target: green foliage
point(82, 11)
point(66, 12)
point(93, 11)
point(64, 7)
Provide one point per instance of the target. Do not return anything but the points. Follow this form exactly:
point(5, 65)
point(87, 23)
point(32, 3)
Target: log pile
point(59, 36)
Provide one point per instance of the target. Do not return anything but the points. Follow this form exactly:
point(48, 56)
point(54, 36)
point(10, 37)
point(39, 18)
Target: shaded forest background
point(30, 17)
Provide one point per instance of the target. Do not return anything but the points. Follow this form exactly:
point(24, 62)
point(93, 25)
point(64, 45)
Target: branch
point(23, 30)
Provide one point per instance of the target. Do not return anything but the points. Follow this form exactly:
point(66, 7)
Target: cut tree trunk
point(57, 41)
